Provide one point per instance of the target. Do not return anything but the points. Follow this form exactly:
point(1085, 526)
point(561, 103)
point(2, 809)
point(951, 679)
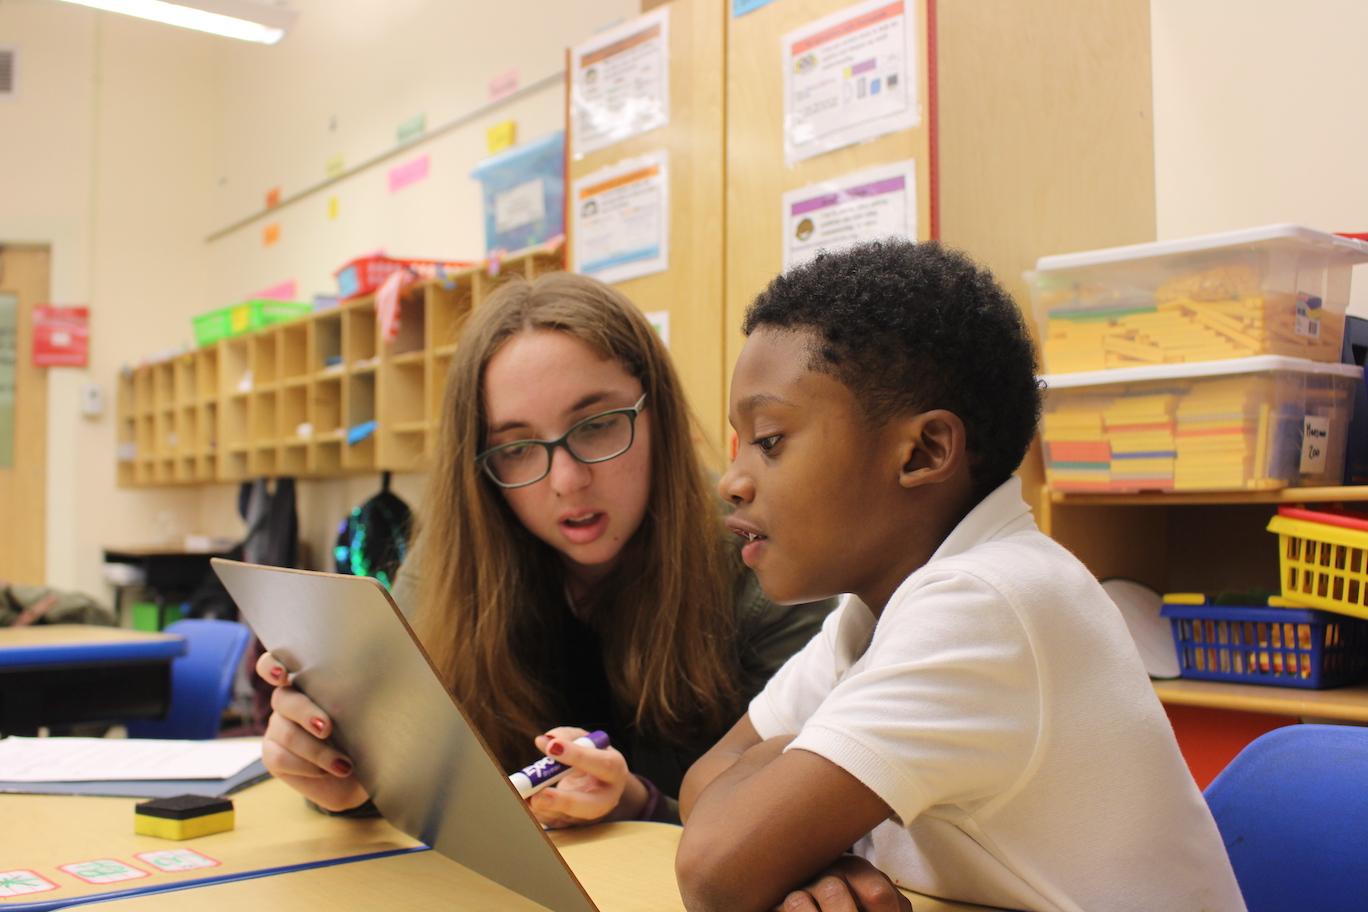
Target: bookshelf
point(281, 401)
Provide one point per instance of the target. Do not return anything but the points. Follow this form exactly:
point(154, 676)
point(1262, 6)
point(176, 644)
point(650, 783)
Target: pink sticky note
point(410, 172)
point(282, 291)
point(504, 84)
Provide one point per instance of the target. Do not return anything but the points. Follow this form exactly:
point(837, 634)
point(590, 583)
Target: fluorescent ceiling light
point(239, 19)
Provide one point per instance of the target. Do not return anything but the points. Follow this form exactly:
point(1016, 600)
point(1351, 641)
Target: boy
point(974, 717)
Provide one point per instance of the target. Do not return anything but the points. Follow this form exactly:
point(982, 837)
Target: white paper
point(866, 205)
point(620, 83)
point(849, 77)
point(621, 219)
point(660, 322)
point(523, 205)
point(1315, 437)
point(106, 759)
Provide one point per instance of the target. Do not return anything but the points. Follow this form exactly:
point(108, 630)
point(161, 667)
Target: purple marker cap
point(532, 779)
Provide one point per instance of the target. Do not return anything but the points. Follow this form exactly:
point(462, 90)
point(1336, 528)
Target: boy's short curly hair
point(910, 327)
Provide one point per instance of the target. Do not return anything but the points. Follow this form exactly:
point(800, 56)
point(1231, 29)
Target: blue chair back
point(1292, 808)
point(201, 680)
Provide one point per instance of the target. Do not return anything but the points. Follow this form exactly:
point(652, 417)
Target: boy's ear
point(932, 447)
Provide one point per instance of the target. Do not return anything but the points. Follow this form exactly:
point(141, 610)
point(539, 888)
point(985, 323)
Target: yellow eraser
point(1185, 598)
point(183, 817)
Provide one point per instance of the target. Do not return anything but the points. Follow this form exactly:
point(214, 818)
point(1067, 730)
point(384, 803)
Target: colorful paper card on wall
point(335, 166)
point(270, 234)
point(503, 85)
point(410, 172)
point(501, 136)
point(411, 128)
point(332, 208)
point(287, 290)
point(272, 197)
point(61, 336)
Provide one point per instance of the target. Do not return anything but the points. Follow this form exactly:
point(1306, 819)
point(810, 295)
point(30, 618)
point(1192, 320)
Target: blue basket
point(1285, 647)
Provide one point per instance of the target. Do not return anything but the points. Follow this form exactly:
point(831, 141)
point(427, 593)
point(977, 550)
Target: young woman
point(573, 571)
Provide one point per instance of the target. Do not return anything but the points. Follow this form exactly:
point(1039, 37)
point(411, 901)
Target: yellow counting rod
point(183, 817)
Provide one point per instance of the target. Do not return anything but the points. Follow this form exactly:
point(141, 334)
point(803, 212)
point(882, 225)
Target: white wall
point(104, 156)
point(132, 142)
point(1259, 116)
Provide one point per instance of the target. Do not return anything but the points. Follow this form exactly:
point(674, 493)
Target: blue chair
point(201, 680)
point(1292, 808)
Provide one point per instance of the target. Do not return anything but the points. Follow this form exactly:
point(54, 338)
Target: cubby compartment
point(184, 382)
point(294, 413)
point(326, 406)
point(294, 351)
point(327, 342)
point(206, 374)
point(263, 461)
point(265, 358)
point(358, 332)
point(265, 428)
point(235, 368)
point(412, 332)
point(294, 458)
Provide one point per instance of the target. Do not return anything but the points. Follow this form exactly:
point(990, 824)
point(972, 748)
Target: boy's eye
point(768, 443)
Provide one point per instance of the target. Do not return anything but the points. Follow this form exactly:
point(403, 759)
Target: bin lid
point(1283, 236)
point(1190, 369)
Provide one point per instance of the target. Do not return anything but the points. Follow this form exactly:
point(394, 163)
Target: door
point(23, 417)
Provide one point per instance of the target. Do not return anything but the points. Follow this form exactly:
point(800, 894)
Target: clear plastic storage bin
point(1277, 290)
point(1243, 424)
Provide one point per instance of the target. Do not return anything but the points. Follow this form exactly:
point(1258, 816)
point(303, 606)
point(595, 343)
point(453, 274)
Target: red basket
point(363, 275)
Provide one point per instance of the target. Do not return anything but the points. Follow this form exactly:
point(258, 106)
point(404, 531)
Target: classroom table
point(64, 674)
point(624, 866)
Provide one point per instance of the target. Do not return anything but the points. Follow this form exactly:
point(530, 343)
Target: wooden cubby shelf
point(1209, 541)
point(282, 400)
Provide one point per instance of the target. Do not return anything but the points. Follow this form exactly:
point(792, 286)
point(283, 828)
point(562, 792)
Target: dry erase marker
point(532, 779)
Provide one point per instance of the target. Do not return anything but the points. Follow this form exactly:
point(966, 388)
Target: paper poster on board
point(621, 220)
point(620, 83)
point(866, 205)
point(850, 77)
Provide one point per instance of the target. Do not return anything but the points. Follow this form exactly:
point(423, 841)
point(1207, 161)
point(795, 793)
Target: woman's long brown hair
point(665, 627)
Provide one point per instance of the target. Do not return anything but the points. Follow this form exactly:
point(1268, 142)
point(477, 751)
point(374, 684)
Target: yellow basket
point(1322, 566)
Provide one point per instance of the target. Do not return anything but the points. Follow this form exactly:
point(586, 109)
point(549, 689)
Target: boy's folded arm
point(719, 758)
point(767, 824)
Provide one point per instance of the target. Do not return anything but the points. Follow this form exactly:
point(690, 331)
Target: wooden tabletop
point(76, 635)
point(623, 866)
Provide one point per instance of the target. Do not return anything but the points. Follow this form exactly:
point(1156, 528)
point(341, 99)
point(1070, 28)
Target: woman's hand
point(295, 749)
point(598, 787)
point(850, 885)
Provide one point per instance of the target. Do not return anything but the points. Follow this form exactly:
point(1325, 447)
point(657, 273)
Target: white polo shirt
point(1001, 710)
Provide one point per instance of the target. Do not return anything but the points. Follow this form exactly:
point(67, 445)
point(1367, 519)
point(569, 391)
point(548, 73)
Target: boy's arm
point(763, 822)
point(719, 758)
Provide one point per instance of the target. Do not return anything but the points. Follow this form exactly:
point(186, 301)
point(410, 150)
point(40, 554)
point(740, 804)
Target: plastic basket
point(1323, 559)
point(249, 316)
point(363, 275)
point(1284, 647)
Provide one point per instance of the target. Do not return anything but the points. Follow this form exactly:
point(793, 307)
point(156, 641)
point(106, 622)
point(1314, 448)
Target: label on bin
point(1315, 436)
point(1308, 316)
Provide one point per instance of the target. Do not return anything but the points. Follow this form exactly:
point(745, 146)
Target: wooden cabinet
point(1202, 542)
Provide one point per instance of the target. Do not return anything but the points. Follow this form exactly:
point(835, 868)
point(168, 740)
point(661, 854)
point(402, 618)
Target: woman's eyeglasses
point(597, 438)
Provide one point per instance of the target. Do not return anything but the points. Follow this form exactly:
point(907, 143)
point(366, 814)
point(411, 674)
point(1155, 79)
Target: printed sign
point(620, 83)
point(621, 217)
point(850, 77)
point(867, 205)
point(61, 336)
